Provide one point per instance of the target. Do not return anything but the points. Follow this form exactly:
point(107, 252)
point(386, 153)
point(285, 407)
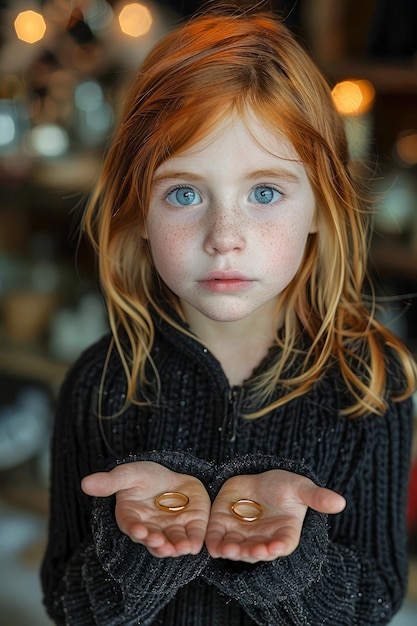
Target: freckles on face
point(169, 245)
point(228, 221)
point(284, 246)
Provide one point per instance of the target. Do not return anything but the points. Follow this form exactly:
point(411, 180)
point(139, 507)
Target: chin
point(226, 316)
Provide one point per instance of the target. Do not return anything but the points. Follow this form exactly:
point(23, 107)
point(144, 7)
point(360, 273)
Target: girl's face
point(228, 223)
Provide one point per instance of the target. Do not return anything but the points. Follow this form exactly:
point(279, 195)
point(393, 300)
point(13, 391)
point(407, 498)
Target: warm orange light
point(30, 26)
point(135, 19)
point(353, 97)
point(407, 147)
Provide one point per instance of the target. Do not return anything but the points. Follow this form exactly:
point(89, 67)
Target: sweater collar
point(189, 344)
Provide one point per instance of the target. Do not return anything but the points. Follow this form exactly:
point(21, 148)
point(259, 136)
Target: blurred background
point(64, 68)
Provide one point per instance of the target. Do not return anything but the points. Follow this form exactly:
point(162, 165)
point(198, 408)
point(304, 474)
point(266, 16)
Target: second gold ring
point(247, 510)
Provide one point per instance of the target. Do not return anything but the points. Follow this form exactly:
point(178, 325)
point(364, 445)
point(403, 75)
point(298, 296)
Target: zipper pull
point(230, 417)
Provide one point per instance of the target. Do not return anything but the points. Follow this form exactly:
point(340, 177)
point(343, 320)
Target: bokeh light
point(353, 97)
point(49, 140)
point(135, 19)
point(30, 26)
point(406, 146)
point(7, 129)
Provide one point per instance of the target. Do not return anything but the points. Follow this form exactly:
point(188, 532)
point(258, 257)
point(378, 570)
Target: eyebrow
point(171, 174)
point(281, 173)
point(277, 172)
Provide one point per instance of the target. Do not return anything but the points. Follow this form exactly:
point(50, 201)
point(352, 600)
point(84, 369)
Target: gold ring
point(244, 505)
point(175, 501)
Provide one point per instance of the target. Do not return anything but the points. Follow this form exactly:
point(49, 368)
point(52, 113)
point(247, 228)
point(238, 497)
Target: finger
point(165, 551)
point(270, 551)
point(196, 535)
point(157, 545)
point(223, 544)
point(176, 534)
point(150, 536)
point(98, 484)
point(237, 547)
point(156, 534)
point(187, 534)
point(322, 499)
point(104, 484)
point(174, 541)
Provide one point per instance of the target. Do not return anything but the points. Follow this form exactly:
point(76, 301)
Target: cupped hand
point(163, 533)
point(284, 498)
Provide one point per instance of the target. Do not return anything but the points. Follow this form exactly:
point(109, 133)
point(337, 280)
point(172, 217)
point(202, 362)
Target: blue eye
point(183, 196)
point(264, 195)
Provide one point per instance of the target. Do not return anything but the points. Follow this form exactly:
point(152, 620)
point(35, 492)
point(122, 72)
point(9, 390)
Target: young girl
point(237, 450)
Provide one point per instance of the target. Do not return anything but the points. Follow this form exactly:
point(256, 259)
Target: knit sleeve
point(274, 592)
point(113, 566)
point(88, 559)
point(349, 568)
point(147, 582)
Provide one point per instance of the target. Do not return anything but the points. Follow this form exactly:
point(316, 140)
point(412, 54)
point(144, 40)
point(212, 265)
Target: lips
point(225, 282)
point(225, 275)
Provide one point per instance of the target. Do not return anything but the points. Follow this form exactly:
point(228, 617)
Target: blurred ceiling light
point(406, 146)
point(13, 123)
point(88, 96)
point(7, 129)
point(98, 15)
point(49, 140)
point(30, 26)
point(353, 97)
point(135, 20)
point(95, 116)
point(396, 195)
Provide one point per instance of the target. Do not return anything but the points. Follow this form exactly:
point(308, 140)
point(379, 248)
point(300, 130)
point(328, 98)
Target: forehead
point(244, 142)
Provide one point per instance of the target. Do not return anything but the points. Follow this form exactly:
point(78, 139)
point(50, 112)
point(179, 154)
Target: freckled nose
point(224, 231)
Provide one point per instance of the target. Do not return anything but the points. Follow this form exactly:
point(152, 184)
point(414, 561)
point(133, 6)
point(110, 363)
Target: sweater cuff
point(257, 464)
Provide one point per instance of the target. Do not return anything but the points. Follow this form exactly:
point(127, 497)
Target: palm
point(284, 498)
point(164, 533)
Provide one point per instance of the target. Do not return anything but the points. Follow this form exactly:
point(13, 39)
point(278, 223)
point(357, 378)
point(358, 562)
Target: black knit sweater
point(349, 569)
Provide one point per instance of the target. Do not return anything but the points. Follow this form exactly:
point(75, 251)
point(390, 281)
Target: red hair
point(198, 74)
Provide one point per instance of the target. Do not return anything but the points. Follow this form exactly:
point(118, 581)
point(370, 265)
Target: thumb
point(99, 484)
point(322, 500)
point(104, 484)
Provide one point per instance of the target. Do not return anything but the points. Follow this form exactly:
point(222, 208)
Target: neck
point(239, 346)
point(239, 358)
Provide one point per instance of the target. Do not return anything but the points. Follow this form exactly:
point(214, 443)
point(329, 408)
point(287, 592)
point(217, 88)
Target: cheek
point(286, 244)
point(169, 247)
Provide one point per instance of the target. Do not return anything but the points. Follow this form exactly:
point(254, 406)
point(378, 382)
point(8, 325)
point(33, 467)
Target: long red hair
point(196, 75)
